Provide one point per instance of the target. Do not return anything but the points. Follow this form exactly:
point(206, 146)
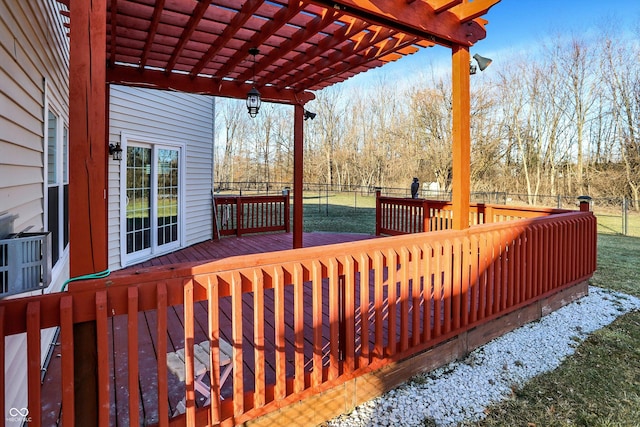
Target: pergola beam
point(417, 18)
point(467, 11)
point(156, 79)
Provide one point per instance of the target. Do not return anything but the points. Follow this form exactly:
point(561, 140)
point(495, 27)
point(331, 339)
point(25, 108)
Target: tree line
point(564, 120)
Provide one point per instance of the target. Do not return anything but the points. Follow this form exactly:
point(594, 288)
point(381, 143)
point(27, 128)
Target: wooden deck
point(202, 252)
point(314, 331)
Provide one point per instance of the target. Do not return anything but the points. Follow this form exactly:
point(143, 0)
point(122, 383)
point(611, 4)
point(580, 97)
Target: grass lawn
point(611, 223)
point(340, 213)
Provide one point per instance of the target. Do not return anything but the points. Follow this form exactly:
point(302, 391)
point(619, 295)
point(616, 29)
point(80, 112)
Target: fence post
point(378, 211)
point(625, 216)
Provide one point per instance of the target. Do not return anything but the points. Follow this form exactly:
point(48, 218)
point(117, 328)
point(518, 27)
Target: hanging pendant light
point(253, 97)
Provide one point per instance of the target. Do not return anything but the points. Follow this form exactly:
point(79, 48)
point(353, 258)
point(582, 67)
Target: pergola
point(314, 331)
point(204, 47)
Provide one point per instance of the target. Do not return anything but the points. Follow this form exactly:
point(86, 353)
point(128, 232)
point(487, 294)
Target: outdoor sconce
point(309, 115)
point(115, 151)
point(482, 63)
point(253, 97)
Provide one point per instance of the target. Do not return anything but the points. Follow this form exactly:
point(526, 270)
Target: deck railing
point(395, 216)
point(317, 316)
point(237, 215)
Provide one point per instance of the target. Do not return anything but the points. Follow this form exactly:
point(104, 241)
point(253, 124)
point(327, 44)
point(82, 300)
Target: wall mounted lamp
point(253, 97)
point(309, 115)
point(115, 151)
point(482, 63)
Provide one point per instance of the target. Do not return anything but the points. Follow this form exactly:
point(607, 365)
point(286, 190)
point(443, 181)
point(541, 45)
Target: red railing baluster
point(236, 336)
point(427, 291)
point(334, 320)
point(66, 362)
point(404, 299)
point(298, 325)
point(33, 363)
point(438, 289)
point(258, 338)
point(161, 337)
point(279, 328)
point(416, 293)
point(349, 314)
point(465, 286)
point(316, 283)
point(189, 368)
point(457, 286)
point(102, 335)
point(132, 349)
point(365, 307)
point(474, 279)
point(392, 286)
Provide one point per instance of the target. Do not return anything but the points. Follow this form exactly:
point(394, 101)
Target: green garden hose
point(100, 275)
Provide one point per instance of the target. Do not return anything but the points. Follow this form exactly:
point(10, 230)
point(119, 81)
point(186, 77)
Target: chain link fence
point(615, 215)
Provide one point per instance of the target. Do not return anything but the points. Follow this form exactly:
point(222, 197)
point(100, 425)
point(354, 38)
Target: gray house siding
point(164, 117)
point(34, 61)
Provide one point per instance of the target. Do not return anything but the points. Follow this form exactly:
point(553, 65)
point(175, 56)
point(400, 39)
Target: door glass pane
point(167, 208)
point(138, 199)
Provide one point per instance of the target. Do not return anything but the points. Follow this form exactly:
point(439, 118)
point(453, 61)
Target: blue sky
point(520, 26)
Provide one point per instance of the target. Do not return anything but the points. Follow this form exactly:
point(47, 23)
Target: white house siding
point(165, 116)
point(34, 58)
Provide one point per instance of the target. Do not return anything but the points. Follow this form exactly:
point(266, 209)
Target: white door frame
point(127, 139)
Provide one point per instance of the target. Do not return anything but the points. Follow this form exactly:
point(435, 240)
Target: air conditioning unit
point(25, 263)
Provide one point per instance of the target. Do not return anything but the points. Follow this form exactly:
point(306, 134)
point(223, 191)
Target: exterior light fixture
point(115, 151)
point(253, 97)
point(309, 115)
point(482, 63)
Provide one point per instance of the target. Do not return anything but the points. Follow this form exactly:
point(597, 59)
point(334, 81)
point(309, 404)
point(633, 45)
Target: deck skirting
point(341, 399)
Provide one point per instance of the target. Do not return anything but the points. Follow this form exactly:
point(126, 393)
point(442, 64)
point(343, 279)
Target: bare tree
point(623, 84)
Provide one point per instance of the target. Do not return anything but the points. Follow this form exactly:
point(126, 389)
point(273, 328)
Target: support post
point(87, 185)
point(298, 169)
point(461, 149)
point(585, 203)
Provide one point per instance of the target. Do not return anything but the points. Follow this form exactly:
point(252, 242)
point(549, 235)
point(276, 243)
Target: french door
point(152, 201)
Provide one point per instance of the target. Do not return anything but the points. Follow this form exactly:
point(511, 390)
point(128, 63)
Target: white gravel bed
point(462, 390)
